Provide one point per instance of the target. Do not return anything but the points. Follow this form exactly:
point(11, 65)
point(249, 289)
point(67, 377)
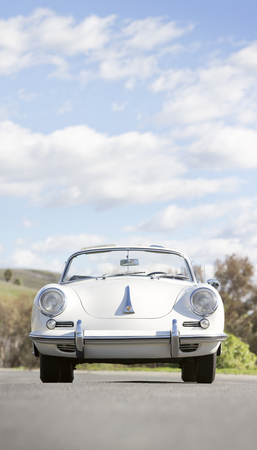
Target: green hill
point(34, 279)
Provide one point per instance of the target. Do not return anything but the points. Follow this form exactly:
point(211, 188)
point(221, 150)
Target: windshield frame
point(108, 249)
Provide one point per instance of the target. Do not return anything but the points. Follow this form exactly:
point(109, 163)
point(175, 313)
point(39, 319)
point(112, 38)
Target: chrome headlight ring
point(52, 302)
point(203, 301)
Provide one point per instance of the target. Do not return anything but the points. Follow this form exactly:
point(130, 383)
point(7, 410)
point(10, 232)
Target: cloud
point(43, 36)
point(67, 243)
point(221, 146)
point(174, 217)
point(78, 165)
point(151, 32)
point(51, 252)
point(66, 107)
point(113, 50)
point(25, 258)
point(116, 107)
point(26, 223)
point(26, 96)
point(222, 90)
point(246, 58)
point(210, 231)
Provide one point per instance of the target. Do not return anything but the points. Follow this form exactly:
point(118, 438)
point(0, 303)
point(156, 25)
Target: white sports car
point(128, 305)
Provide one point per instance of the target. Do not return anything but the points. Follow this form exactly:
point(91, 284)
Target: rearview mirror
point(129, 262)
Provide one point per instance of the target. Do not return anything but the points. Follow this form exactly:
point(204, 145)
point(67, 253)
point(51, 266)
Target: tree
point(8, 274)
point(239, 294)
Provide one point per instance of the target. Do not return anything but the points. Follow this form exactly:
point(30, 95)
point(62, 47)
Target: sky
point(128, 123)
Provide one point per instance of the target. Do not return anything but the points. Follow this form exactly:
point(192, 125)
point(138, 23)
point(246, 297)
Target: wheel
point(188, 371)
point(66, 372)
point(206, 368)
point(50, 369)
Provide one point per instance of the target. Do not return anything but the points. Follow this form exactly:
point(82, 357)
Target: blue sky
point(127, 123)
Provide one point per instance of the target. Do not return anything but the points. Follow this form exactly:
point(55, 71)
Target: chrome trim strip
point(101, 249)
point(126, 340)
point(43, 339)
point(123, 339)
point(199, 339)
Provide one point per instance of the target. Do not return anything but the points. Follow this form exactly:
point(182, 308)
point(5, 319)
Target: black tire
point(206, 368)
point(66, 372)
point(188, 371)
point(50, 369)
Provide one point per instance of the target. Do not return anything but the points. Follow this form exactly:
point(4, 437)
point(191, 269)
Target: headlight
point(52, 302)
point(203, 301)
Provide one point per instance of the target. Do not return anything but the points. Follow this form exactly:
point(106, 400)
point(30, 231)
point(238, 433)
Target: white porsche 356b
point(128, 305)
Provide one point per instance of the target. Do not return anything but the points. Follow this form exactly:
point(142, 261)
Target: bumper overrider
point(174, 338)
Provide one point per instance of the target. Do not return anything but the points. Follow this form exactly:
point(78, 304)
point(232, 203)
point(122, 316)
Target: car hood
point(129, 298)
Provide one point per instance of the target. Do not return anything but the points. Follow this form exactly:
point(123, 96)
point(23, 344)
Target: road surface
point(127, 411)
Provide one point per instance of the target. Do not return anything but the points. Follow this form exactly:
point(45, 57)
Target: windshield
point(127, 262)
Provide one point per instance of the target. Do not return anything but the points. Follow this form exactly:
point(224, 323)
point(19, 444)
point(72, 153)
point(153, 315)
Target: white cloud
point(67, 243)
point(41, 36)
point(130, 49)
point(118, 107)
point(66, 107)
point(220, 229)
point(221, 146)
point(26, 223)
point(150, 32)
point(78, 165)
point(25, 258)
point(118, 67)
point(217, 92)
point(237, 219)
point(26, 96)
point(50, 253)
point(174, 217)
point(246, 58)
point(222, 90)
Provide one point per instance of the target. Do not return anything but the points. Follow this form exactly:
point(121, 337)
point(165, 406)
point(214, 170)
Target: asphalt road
point(127, 410)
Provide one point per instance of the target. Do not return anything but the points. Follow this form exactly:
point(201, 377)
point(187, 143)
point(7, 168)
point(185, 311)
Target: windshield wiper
point(169, 275)
point(120, 274)
point(178, 277)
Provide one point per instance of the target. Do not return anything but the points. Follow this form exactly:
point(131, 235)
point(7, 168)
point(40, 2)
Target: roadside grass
point(34, 279)
point(148, 368)
point(122, 368)
point(13, 290)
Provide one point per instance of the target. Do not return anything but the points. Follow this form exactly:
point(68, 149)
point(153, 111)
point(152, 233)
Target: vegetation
point(236, 355)
point(8, 274)
point(16, 303)
point(15, 316)
point(34, 279)
point(239, 293)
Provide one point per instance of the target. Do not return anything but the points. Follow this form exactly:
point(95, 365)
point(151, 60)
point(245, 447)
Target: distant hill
point(34, 279)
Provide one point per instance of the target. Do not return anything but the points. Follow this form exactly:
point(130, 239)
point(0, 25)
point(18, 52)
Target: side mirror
point(213, 283)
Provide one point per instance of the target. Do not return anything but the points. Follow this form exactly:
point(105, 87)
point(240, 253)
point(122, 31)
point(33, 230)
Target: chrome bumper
point(173, 338)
